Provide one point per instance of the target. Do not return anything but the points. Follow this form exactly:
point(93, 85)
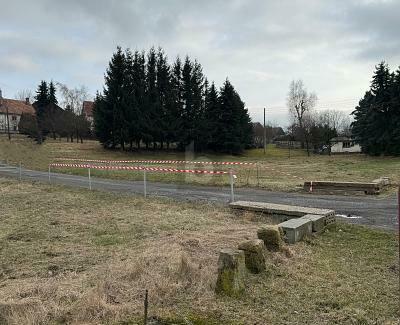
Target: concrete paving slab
point(296, 229)
point(288, 211)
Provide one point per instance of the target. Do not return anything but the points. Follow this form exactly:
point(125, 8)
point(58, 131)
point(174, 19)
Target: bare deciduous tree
point(72, 99)
point(300, 103)
point(335, 119)
point(24, 94)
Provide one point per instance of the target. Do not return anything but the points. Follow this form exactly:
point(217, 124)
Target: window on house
point(13, 118)
point(346, 144)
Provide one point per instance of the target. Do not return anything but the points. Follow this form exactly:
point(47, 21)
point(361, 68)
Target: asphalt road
point(368, 210)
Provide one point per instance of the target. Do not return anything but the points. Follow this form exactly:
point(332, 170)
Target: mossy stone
point(254, 255)
point(231, 272)
point(272, 237)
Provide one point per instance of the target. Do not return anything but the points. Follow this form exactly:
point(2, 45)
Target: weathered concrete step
point(281, 210)
point(367, 187)
point(318, 222)
point(295, 230)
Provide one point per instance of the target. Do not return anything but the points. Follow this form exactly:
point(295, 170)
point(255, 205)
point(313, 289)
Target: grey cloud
point(260, 45)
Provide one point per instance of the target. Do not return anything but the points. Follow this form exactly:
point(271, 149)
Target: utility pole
point(265, 135)
point(8, 124)
point(8, 120)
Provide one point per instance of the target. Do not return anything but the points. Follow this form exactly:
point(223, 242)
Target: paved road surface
point(368, 210)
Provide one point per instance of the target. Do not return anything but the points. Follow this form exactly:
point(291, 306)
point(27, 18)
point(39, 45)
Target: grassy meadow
point(274, 171)
point(70, 256)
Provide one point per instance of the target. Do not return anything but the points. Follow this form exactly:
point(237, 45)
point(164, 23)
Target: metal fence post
point(144, 183)
point(49, 175)
point(231, 181)
point(90, 180)
point(20, 172)
point(258, 179)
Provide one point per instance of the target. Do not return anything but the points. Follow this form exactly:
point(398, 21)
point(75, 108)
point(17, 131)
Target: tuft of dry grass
point(74, 256)
point(274, 171)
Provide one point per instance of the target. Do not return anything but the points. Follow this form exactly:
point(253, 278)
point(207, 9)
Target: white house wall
point(13, 123)
point(338, 148)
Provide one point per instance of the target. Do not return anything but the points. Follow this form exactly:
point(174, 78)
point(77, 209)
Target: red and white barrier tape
point(159, 161)
point(168, 170)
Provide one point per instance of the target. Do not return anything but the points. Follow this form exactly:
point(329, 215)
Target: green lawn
point(78, 256)
point(274, 170)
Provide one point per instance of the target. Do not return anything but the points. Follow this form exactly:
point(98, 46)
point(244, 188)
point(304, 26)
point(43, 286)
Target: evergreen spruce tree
point(198, 125)
point(234, 127)
point(42, 94)
point(164, 95)
point(129, 104)
point(376, 117)
point(52, 98)
point(152, 131)
point(211, 117)
point(186, 135)
point(108, 113)
point(139, 75)
point(175, 105)
point(41, 103)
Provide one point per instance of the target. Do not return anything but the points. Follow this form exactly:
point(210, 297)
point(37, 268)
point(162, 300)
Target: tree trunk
point(307, 144)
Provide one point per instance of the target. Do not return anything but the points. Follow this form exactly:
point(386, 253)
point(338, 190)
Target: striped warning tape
point(159, 161)
point(283, 172)
point(168, 170)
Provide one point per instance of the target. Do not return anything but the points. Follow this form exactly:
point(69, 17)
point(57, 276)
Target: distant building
point(15, 109)
point(344, 145)
point(87, 111)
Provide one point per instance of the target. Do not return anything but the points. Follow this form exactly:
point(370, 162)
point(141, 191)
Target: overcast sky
point(259, 45)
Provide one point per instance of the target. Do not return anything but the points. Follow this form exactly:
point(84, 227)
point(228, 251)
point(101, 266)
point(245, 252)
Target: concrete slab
point(367, 187)
point(280, 210)
point(318, 222)
point(296, 229)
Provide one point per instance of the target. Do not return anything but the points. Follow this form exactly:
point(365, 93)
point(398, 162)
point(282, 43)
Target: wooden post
point(146, 306)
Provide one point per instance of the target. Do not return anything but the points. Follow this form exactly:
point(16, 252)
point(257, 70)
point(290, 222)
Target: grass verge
point(274, 171)
point(74, 256)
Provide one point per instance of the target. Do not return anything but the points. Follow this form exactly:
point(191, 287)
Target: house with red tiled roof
point(87, 111)
point(11, 111)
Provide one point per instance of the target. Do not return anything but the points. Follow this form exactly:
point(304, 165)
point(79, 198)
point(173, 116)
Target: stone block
point(231, 272)
point(254, 255)
point(296, 229)
point(272, 237)
point(318, 222)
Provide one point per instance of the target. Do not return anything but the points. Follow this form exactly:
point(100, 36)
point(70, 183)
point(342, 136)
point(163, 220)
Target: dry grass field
point(276, 171)
point(86, 257)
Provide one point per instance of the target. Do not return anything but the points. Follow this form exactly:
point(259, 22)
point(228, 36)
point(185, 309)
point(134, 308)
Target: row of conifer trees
point(376, 125)
point(148, 102)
